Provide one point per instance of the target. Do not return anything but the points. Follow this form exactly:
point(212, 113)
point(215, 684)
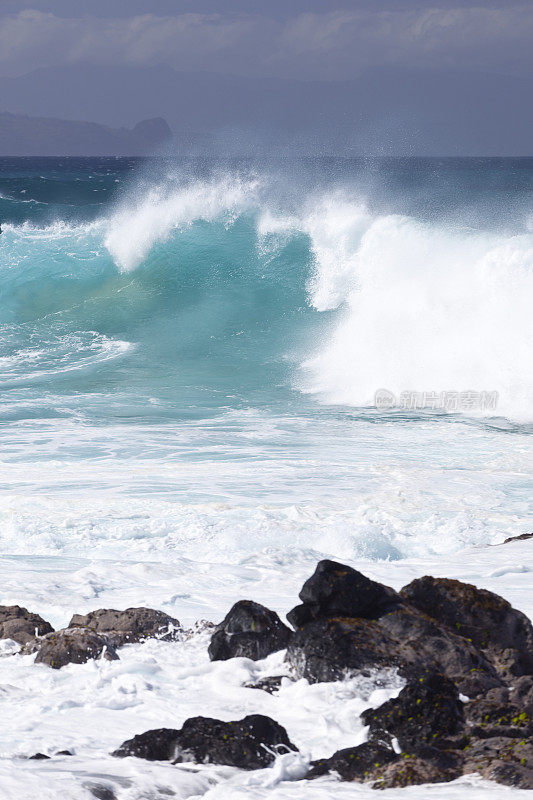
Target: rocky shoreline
point(465, 656)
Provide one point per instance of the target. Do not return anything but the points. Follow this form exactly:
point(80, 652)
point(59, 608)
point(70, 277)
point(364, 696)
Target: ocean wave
point(423, 309)
point(153, 216)
point(32, 358)
point(407, 304)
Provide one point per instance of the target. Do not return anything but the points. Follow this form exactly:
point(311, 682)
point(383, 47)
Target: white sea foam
point(151, 216)
point(422, 308)
point(91, 708)
point(72, 352)
point(378, 491)
point(190, 515)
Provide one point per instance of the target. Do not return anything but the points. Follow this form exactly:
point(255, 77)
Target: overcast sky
point(403, 76)
point(306, 39)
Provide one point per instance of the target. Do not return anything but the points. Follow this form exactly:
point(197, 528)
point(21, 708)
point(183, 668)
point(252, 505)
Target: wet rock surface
point(270, 684)
point(249, 630)
point(521, 538)
point(445, 637)
point(101, 792)
point(355, 763)
point(502, 759)
point(470, 635)
point(21, 625)
point(466, 656)
point(489, 622)
point(488, 717)
point(73, 646)
point(155, 745)
point(410, 771)
point(336, 590)
point(329, 649)
point(131, 625)
point(427, 712)
point(250, 743)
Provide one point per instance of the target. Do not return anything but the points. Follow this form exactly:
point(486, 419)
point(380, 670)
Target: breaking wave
point(324, 292)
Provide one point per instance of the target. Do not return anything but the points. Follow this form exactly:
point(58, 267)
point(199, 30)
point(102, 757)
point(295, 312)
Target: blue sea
point(212, 375)
point(190, 353)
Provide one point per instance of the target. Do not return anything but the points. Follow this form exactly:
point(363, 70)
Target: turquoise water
point(198, 333)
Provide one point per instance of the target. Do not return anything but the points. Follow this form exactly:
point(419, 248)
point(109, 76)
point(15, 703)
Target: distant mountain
point(384, 111)
point(46, 136)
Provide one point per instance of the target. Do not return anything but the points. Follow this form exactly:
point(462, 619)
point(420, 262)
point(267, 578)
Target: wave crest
point(152, 216)
point(425, 308)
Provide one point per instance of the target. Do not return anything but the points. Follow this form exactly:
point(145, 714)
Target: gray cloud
point(333, 44)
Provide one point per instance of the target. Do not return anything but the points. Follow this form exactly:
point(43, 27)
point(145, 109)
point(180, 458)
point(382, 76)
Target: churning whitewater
point(211, 377)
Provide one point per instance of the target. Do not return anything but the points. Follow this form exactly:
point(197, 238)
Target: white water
point(92, 708)
point(151, 216)
point(190, 515)
point(424, 309)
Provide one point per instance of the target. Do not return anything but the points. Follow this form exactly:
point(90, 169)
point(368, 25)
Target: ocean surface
point(214, 374)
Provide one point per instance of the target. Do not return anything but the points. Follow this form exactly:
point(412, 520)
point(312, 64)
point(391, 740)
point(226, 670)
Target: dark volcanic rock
point(427, 712)
point(417, 770)
point(131, 625)
point(336, 590)
point(249, 630)
point(348, 623)
point(486, 620)
point(424, 644)
point(521, 693)
point(270, 684)
point(155, 745)
point(39, 757)
point(355, 763)
point(426, 720)
point(501, 759)
point(21, 625)
point(488, 717)
point(73, 646)
point(250, 743)
point(101, 792)
point(328, 649)
point(521, 538)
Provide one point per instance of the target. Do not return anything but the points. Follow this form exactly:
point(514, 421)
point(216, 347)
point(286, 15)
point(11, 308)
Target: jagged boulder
point(249, 630)
point(336, 590)
point(21, 625)
point(415, 770)
point(494, 715)
point(73, 646)
point(355, 763)
point(154, 745)
point(427, 712)
point(329, 649)
point(250, 743)
point(483, 618)
point(424, 644)
point(130, 625)
point(501, 759)
point(347, 622)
